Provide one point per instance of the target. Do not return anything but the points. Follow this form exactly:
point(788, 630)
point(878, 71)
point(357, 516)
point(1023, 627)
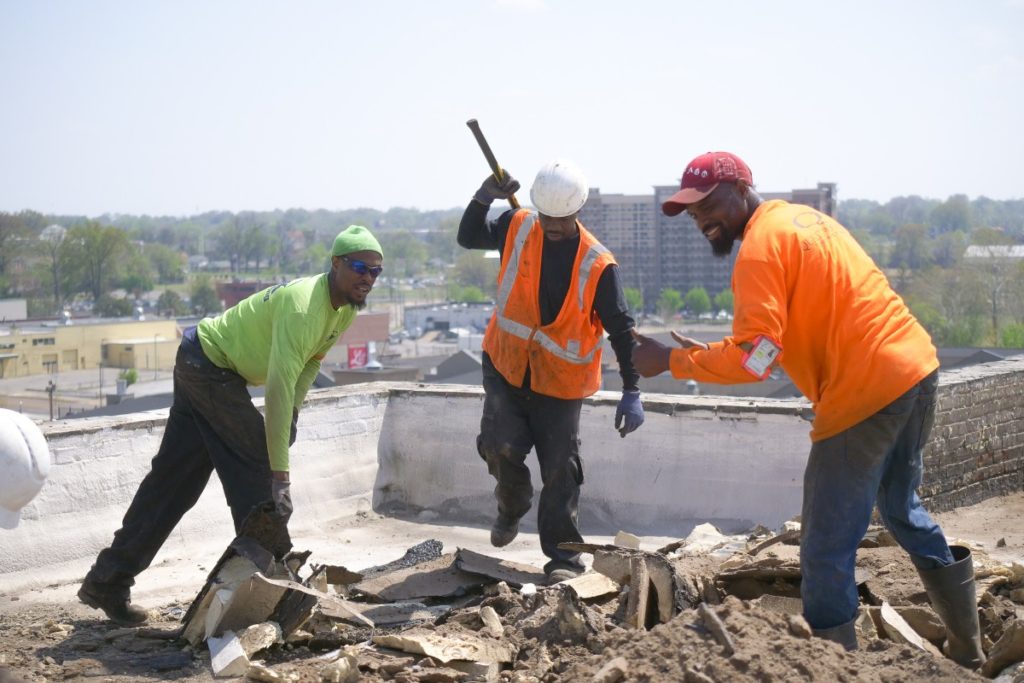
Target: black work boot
point(844, 634)
point(114, 601)
point(504, 531)
point(562, 574)
point(953, 597)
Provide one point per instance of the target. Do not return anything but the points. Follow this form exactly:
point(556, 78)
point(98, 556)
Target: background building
point(657, 252)
point(51, 347)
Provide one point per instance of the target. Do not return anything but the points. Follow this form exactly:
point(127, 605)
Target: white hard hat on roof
point(24, 465)
point(560, 189)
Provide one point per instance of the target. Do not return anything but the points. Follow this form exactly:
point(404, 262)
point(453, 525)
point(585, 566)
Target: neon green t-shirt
point(278, 337)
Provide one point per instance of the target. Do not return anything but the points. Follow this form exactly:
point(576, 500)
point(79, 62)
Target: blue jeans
point(875, 461)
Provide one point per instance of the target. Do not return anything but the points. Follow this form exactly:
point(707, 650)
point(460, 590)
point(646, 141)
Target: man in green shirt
point(276, 337)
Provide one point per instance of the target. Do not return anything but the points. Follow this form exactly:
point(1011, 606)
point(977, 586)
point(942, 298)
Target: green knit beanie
point(355, 238)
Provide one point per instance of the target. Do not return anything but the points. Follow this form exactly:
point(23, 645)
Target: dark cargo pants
point(514, 421)
point(212, 425)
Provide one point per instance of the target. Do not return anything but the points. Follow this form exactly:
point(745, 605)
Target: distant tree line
point(53, 259)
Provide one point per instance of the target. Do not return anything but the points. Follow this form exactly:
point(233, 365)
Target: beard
point(722, 246)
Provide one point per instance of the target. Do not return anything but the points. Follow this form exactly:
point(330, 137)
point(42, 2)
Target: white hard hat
point(24, 465)
point(560, 189)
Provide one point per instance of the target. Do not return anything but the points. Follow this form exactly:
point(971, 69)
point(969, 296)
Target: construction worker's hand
point(650, 356)
point(491, 189)
point(295, 427)
point(281, 493)
point(630, 413)
point(687, 342)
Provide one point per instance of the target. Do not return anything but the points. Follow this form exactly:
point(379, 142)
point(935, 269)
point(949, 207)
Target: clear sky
point(184, 106)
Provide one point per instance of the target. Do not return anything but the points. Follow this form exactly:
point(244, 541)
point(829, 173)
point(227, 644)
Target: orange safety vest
point(564, 357)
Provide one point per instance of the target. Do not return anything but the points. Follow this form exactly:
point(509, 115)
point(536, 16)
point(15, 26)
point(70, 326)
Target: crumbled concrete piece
point(898, 630)
point(624, 539)
point(338, 575)
point(571, 619)
point(418, 554)
point(592, 585)
point(298, 637)
point(258, 672)
point(438, 674)
point(345, 669)
point(490, 672)
point(612, 672)
point(636, 600)
point(866, 623)
point(784, 537)
point(215, 610)
point(512, 573)
point(798, 626)
point(438, 578)
point(318, 581)
point(492, 622)
point(1017, 595)
point(227, 658)
point(694, 676)
point(614, 564)
point(528, 589)
point(444, 649)
point(924, 620)
point(390, 614)
point(1007, 650)
point(703, 538)
point(521, 677)
point(714, 624)
point(259, 637)
point(231, 571)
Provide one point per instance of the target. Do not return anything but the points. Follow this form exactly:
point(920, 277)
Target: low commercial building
point(52, 347)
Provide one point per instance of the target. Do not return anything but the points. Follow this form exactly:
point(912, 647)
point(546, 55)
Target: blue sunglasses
point(362, 268)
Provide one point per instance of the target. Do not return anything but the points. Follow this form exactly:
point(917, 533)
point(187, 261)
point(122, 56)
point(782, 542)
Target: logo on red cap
point(713, 168)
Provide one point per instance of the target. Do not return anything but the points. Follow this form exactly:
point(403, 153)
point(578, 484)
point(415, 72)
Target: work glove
point(630, 413)
point(295, 427)
point(281, 493)
point(491, 189)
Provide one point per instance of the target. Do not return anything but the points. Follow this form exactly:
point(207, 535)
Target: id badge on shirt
point(758, 361)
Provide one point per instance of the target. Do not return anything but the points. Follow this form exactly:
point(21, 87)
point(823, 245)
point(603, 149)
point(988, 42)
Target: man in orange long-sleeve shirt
point(809, 298)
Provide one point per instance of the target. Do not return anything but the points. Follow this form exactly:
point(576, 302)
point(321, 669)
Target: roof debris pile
point(708, 608)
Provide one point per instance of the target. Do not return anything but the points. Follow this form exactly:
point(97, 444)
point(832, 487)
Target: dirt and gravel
point(556, 637)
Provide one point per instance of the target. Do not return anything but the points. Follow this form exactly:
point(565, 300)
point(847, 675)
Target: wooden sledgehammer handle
point(496, 169)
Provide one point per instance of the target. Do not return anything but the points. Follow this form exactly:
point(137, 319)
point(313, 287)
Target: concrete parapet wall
point(735, 461)
point(99, 462)
point(402, 447)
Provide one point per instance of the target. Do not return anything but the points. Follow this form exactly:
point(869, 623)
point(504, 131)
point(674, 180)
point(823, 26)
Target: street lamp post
point(50, 388)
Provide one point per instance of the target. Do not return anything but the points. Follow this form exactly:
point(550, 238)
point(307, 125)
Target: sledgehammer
point(496, 169)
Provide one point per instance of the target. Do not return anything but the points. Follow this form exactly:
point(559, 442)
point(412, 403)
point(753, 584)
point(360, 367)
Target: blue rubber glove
point(630, 413)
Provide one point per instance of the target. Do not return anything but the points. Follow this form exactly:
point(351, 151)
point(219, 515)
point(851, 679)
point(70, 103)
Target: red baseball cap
point(702, 176)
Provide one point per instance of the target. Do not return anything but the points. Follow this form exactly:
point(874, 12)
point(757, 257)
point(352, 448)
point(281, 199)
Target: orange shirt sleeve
point(760, 310)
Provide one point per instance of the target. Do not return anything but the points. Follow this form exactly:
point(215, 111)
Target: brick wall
point(977, 445)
